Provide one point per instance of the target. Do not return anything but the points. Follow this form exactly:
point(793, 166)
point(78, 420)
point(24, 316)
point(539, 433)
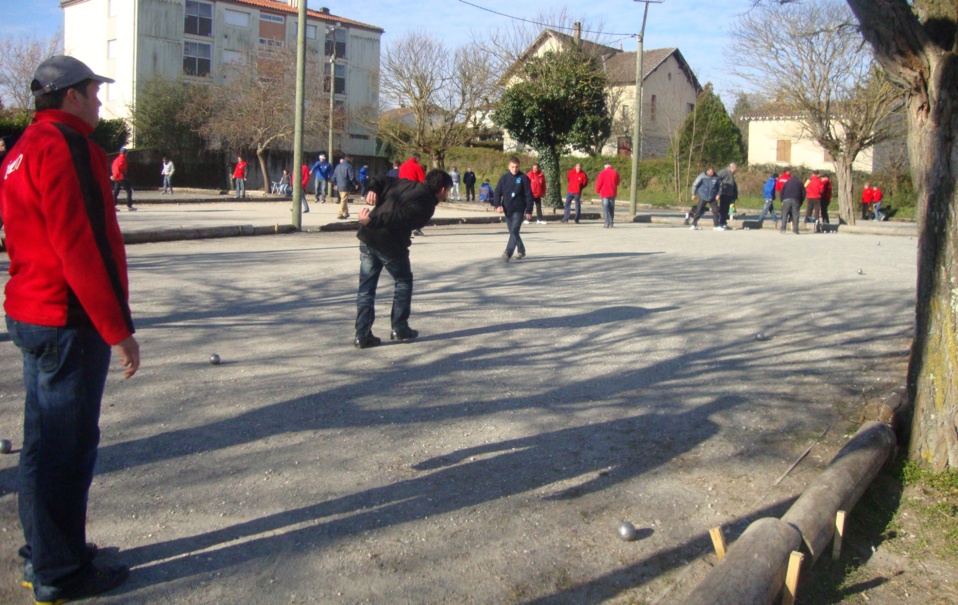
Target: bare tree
point(252, 105)
point(821, 69)
point(19, 58)
point(447, 94)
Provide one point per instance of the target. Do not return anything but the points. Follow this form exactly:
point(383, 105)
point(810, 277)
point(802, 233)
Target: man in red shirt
point(868, 196)
point(239, 177)
point(577, 181)
point(607, 186)
point(826, 197)
point(119, 170)
point(876, 203)
point(67, 303)
point(412, 170)
point(537, 181)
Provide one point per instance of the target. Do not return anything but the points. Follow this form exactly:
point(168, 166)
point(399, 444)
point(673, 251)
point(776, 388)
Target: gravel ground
point(612, 375)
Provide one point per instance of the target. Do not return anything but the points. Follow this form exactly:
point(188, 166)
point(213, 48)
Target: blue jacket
point(322, 168)
point(514, 193)
point(486, 193)
point(363, 174)
point(344, 177)
point(768, 192)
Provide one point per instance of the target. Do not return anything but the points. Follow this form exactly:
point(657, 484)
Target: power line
point(548, 25)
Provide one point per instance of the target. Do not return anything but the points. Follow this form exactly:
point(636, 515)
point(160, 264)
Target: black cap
point(59, 72)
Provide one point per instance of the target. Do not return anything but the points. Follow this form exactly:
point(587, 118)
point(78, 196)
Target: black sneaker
point(99, 579)
point(27, 582)
point(365, 342)
point(403, 334)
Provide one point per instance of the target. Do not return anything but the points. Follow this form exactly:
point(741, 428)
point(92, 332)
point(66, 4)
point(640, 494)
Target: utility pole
point(331, 32)
point(637, 113)
point(298, 193)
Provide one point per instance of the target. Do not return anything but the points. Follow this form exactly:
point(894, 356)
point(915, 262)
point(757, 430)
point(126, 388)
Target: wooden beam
point(791, 577)
point(718, 542)
point(839, 534)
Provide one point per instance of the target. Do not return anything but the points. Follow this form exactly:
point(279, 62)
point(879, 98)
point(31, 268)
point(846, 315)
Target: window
point(340, 83)
point(783, 151)
point(360, 137)
point(652, 110)
point(111, 49)
point(197, 58)
point(236, 18)
point(670, 76)
point(336, 40)
point(625, 113)
point(271, 18)
point(271, 43)
point(111, 8)
point(691, 108)
point(199, 18)
point(311, 32)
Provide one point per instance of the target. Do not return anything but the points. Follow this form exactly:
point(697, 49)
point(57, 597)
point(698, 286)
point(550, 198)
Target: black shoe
point(365, 342)
point(403, 334)
point(418, 232)
point(27, 582)
point(99, 579)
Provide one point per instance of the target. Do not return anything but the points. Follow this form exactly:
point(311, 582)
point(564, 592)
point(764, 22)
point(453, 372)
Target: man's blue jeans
point(371, 264)
point(64, 372)
point(320, 187)
point(608, 209)
point(568, 205)
point(514, 223)
point(769, 207)
point(240, 185)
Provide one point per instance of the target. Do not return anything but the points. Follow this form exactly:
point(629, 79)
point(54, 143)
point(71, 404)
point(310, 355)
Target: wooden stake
point(839, 534)
point(718, 541)
point(791, 577)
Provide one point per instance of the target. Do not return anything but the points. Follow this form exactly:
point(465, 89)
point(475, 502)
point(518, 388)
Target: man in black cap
point(67, 304)
point(402, 205)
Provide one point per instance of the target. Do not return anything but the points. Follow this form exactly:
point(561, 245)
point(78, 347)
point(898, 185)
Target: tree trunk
point(261, 156)
point(923, 59)
point(846, 191)
point(933, 367)
point(549, 162)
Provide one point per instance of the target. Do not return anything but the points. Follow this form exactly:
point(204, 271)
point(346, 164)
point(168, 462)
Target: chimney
point(576, 27)
point(293, 3)
point(324, 10)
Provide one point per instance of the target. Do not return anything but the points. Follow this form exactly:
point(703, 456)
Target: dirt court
point(613, 375)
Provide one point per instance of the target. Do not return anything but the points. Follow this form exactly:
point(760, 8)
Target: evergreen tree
point(708, 136)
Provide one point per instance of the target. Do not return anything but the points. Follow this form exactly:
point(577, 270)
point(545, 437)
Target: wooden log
point(840, 485)
point(753, 571)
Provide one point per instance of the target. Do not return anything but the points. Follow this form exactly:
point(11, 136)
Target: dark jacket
point(401, 206)
point(514, 193)
point(706, 187)
point(469, 178)
point(793, 189)
point(727, 186)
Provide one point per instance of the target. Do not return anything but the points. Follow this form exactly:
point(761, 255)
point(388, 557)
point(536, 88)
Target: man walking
point(537, 183)
point(578, 179)
point(513, 197)
point(607, 186)
point(469, 180)
point(876, 203)
point(119, 171)
point(167, 174)
point(705, 188)
point(728, 192)
point(768, 193)
point(385, 233)
point(826, 197)
point(793, 194)
point(66, 304)
point(322, 171)
point(344, 182)
point(868, 196)
point(239, 178)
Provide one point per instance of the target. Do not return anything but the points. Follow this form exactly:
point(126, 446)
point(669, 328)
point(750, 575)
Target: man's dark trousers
point(697, 213)
point(64, 372)
point(123, 184)
point(514, 222)
point(725, 202)
point(370, 266)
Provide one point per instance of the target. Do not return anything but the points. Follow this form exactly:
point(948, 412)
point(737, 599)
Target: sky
point(699, 29)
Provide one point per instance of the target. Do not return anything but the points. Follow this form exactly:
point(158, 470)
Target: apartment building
point(133, 41)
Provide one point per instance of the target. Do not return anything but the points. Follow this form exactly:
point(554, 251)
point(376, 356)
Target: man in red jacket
point(66, 304)
point(578, 179)
point(868, 196)
point(826, 197)
point(119, 170)
point(607, 186)
point(412, 170)
point(813, 197)
point(537, 181)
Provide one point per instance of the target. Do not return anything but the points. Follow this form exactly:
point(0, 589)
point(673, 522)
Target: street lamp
point(637, 125)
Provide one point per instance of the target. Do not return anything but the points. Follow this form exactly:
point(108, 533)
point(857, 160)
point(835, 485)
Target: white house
point(669, 92)
point(778, 138)
point(133, 41)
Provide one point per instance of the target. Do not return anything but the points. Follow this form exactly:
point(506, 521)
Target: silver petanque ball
point(627, 532)
point(5, 446)
point(761, 336)
point(215, 359)
point(860, 272)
